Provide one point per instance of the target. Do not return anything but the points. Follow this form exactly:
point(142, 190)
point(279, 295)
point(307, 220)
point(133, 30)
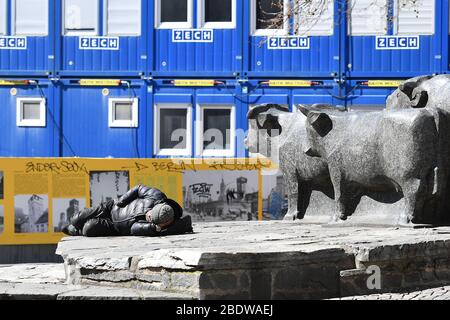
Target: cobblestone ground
point(442, 293)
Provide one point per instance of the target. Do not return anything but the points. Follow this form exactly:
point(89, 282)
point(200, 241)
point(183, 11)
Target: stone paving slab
point(441, 293)
point(215, 240)
point(264, 260)
point(33, 273)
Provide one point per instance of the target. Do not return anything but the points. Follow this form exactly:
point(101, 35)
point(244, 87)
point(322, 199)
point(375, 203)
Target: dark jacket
point(132, 207)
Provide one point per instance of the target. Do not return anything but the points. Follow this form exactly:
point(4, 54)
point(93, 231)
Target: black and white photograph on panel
point(108, 185)
point(275, 199)
point(64, 210)
point(2, 219)
point(31, 213)
point(2, 192)
point(221, 195)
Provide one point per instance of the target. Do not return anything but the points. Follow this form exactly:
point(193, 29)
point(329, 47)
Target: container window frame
point(160, 152)
point(396, 21)
point(217, 25)
point(174, 25)
point(133, 123)
point(106, 22)
point(13, 14)
point(314, 33)
point(4, 24)
point(76, 33)
point(269, 32)
point(352, 33)
point(200, 151)
point(38, 123)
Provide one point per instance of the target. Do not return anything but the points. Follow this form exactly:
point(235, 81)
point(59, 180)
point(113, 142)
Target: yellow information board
point(194, 83)
point(289, 83)
point(384, 83)
point(99, 83)
point(38, 196)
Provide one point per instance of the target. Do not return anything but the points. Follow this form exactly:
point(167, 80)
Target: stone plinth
point(268, 260)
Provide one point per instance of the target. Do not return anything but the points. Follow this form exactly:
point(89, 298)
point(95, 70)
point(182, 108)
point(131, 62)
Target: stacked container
point(162, 78)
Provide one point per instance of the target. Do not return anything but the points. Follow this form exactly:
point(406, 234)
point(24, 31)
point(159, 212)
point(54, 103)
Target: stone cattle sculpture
point(384, 155)
point(273, 129)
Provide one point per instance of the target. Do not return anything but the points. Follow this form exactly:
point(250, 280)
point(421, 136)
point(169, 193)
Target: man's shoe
point(70, 230)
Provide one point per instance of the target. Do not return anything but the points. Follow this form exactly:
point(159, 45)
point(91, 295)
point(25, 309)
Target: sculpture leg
point(304, 198)
point(340, 213)
point(293, 197)
point(413, 199)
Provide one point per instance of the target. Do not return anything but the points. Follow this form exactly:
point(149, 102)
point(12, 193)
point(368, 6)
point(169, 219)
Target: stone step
point(40, 291)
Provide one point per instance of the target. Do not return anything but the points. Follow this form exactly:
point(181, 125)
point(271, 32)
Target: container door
point(394, 38)
point(201, 36)
point(102, 36)
point(28, 122)
point(104, 121)
point(285, 40)
point(26, 37)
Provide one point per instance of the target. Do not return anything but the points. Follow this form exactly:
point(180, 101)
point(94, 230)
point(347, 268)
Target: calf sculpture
point(385, 155)
point(276, 130)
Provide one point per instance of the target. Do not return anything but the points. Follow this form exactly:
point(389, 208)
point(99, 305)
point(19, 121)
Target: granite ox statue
point(276, 132)
point(385, 155)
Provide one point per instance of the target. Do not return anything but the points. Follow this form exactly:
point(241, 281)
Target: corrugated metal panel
point(361, 96)
point(129, 57)
point(85, 121)
point(365, 59)
point(320, 91)
point(221, 95)
point(37, 56)
point(27, 141)
point(222, 57)
point(319, 59)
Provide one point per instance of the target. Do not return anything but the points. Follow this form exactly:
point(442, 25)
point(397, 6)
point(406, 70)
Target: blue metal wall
point(85, 130)
point(320, 60)
point(364, 60)
point(221, 58)
point(28, 141)
point(37, 59)
point(77, 122)
point(129, 59)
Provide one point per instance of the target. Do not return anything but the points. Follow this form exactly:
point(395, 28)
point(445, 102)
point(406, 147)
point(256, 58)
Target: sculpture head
point(264, 125)
point(318, 126)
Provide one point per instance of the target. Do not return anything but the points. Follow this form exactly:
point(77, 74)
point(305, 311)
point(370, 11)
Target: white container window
point(3, 18)
point(173, 130)
point(81, 17)
point(171, 14)
point(368, 17)
point(270, 17)
point(315, 18)
point(414, 18)
point(123, 113)
point(30, 17)
point(216, 131)
point(218, 14)
point(31, 112)
point(123, 18)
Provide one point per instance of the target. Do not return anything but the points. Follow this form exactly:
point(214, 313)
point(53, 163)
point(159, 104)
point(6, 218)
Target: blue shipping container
point(26, 37)
point(29, 122)
point(386, 39)
point(104, 119)
point(198, 121)
point(102, 37)
point(290, 48)
point(200, 38)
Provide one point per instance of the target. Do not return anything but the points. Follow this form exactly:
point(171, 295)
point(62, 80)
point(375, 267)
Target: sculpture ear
point(272, 125)
point(321, 122)
point(303, 109)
